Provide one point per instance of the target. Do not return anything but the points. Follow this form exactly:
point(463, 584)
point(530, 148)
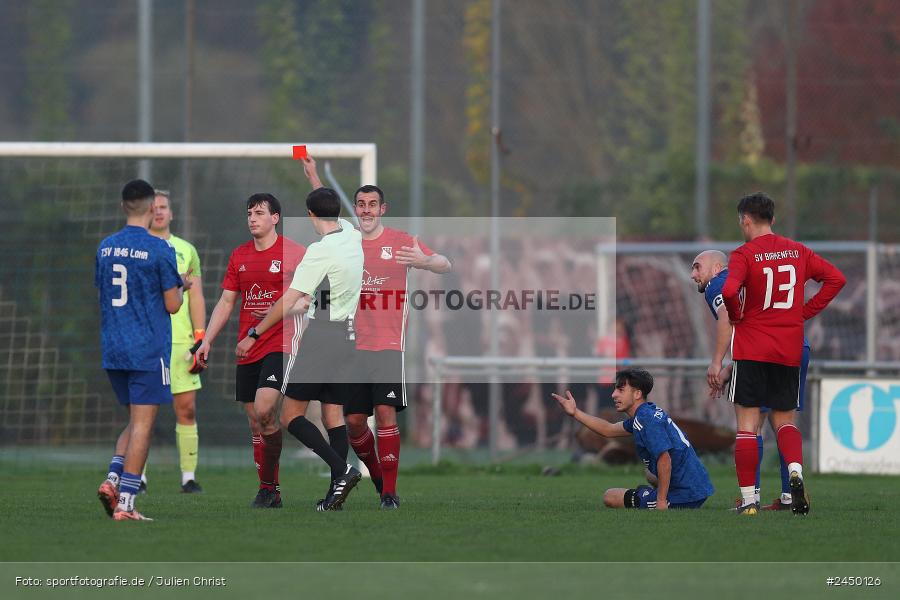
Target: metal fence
point(664, 371)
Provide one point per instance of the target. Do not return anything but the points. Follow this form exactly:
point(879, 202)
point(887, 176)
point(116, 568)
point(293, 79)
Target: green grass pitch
point(451, 514)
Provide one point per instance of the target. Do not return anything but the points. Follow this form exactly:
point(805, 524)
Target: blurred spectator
point(617, 346)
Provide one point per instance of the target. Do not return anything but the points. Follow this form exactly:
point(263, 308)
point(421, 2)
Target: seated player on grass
point(677, 477)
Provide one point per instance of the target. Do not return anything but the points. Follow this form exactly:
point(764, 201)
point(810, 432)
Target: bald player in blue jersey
point(676, 476)
point(709, 272)
point(139, 287)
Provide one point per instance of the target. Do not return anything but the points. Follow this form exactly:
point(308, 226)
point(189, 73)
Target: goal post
point(366, 153)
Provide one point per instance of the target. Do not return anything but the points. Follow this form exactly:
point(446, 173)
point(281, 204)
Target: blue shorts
point(141, 387)
point(804, 365)
point(646, 498)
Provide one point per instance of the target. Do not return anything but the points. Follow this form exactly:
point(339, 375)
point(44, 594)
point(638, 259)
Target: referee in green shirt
point(328, 280)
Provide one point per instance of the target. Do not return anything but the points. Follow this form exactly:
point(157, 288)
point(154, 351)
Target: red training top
point(764, 297)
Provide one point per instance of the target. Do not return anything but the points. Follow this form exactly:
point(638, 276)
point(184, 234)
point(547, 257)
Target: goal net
point(60, 200)
point(663, 315)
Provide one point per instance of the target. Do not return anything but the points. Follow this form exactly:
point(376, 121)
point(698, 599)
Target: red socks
point(384, 464)
point(277, 481)
point(790, 443)
point(389, 457)
point(746, 457)
point(258, 455)
point(365, 449)
point(271, 451)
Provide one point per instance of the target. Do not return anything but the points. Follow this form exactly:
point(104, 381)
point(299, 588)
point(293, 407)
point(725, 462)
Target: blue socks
point(115, 468)
point(785, 476)
point(128, 489)
point(131, 483)
point(759, 448)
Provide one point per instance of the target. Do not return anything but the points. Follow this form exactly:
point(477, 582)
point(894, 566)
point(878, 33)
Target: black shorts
point(324, 369)
point(381, 379)
point(268, 372)
point(764, 384)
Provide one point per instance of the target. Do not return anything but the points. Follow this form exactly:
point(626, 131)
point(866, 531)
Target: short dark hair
point(637, 378)
point(137, 195)
point(265, 198)
point(366, 189)
point(758, 206)
point(324, 203)
point(137, 189)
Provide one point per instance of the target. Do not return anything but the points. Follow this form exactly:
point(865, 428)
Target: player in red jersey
point(764, 295)
point(258, 273)
point(380, 325)
point(380, 337)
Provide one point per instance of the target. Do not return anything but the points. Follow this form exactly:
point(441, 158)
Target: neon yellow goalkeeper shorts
point(182, 379)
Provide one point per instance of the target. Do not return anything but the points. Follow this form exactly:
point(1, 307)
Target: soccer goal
point(59, 200)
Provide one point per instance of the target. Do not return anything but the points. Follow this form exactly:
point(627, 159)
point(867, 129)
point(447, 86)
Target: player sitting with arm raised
point(677, 477)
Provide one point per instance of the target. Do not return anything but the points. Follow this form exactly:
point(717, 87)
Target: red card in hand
point(300, 153)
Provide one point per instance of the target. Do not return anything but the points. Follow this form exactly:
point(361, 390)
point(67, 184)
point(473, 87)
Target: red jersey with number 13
point(259, 278)
point(769, 315)
point(381, 317)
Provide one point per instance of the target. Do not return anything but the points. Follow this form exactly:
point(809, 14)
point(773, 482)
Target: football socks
point(271, 454)
point(310, 436)
point(759, 445)
point(337, 438)
point(389, 457)
point(365, 449)
point(128, 489)
point(116, 465)
point(188, 442)
point(746, 455)
point(258, 455)
point(785, 478)
point(790, 444)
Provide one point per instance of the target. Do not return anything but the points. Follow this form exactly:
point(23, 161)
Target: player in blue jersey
point(677, 477)
point(709, 271)
point(139, 287)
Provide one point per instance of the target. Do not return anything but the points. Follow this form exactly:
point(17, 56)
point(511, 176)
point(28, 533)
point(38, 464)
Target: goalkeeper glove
point(196, 367)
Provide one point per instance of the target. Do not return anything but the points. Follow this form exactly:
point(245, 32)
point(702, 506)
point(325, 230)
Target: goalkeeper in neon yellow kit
point(187, 331)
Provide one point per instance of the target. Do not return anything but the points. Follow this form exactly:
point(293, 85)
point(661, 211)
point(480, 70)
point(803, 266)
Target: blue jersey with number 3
point(654, 433)
point(132, 270)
